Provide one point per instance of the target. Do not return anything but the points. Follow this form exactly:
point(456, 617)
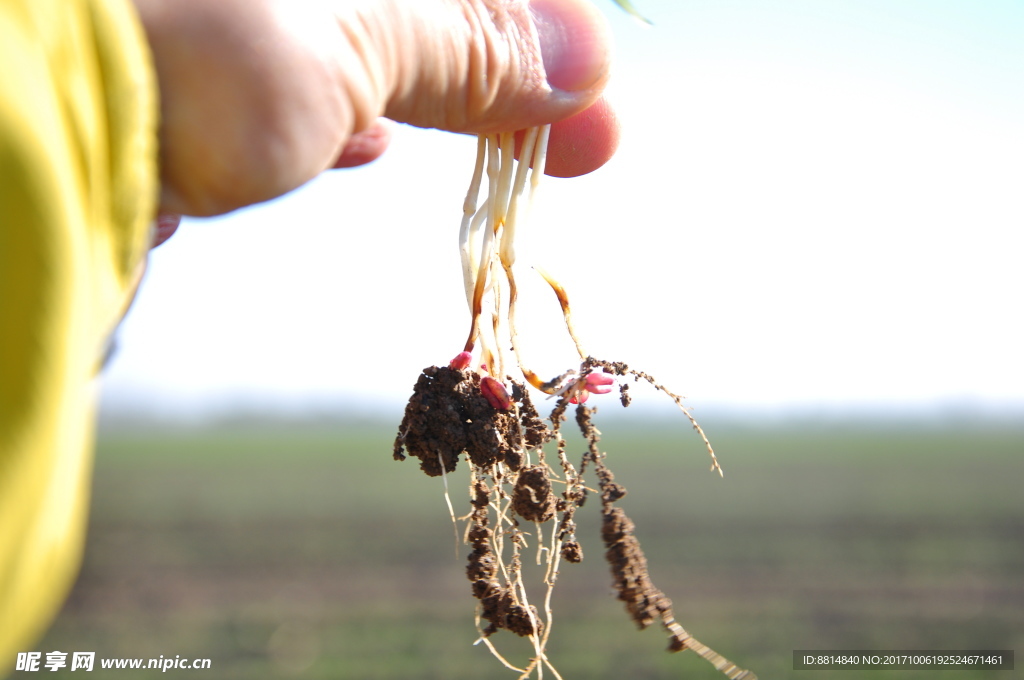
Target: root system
point(467, 408)
point(512, 493)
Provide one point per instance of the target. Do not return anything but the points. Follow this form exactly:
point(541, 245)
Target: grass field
point(302, 550)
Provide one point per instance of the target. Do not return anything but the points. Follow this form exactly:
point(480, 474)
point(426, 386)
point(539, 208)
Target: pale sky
point(816, 203)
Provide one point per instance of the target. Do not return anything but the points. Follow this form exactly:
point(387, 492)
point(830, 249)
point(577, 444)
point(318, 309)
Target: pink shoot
point(594, 383)
point(599, 383)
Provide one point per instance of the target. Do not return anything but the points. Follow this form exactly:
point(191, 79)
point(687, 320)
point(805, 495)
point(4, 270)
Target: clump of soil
point(644, 602)
point(499, 605)
point(532, 498)
point(511, 482)
point(448, 415)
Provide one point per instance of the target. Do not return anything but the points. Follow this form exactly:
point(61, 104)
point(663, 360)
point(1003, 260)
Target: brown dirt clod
point(535, 432)
point(572, 552)
point(447, 415)
point(532, 498)
point(644, 602)
point(502, 610)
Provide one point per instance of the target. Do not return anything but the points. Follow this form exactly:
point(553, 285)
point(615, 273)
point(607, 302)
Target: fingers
point(365, 146)
point(482, 65)
point(259, 96)
point(166, 225)
point(584, 142)
point(251, 99)
point(578, 144)
point(512, 65)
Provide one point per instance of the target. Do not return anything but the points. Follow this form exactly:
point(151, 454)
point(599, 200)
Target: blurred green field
point(303, 550)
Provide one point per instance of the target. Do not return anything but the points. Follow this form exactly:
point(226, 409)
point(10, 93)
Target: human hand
point(260, 96)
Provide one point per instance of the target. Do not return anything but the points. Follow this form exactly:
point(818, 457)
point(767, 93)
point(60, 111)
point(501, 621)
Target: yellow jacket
point(78, 189)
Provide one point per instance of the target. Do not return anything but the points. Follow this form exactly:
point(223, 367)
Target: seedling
point(474, 406)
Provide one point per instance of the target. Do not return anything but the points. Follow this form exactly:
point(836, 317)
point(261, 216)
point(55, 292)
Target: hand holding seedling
point(260, 96)
point(477, 407)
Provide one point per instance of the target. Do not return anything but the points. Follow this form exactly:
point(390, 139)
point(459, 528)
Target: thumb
point(479, 66)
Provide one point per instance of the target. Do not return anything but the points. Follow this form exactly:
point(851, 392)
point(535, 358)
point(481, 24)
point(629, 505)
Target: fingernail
point(166, 225)
point(574, 43)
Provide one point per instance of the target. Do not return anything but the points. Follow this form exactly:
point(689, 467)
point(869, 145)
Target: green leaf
point(632, 11)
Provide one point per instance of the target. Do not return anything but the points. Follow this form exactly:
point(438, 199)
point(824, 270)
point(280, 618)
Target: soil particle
point(535, 432)
point(502, 610)
point(624, 396)
point(532, 498)
point(572, 552)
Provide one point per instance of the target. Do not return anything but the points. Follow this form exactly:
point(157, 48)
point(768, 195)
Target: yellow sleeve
point(78, 188)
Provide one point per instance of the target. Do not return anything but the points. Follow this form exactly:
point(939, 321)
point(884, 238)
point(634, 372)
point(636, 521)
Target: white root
point(498, 216)
point(469, 223)
point(448, 500)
